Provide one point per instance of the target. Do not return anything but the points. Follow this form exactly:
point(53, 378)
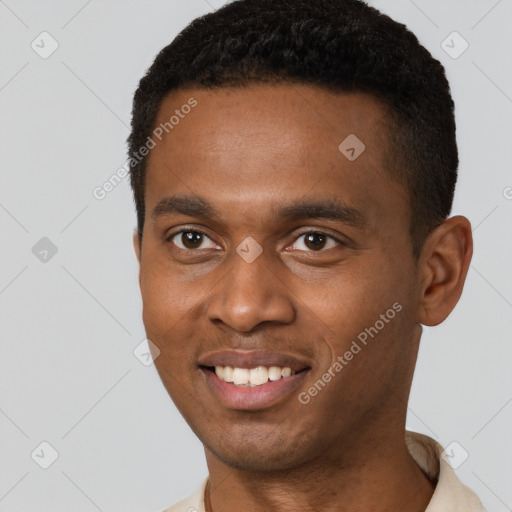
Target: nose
point(249, 294)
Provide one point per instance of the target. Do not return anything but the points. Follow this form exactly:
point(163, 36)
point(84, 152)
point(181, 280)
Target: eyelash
point(306, 232)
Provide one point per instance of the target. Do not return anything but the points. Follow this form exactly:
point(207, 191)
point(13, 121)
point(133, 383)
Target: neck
point(384, 477)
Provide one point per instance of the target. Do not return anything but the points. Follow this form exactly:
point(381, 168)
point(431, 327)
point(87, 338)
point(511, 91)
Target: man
point(293, 168)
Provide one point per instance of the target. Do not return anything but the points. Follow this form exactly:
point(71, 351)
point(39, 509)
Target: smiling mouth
point(252, 377)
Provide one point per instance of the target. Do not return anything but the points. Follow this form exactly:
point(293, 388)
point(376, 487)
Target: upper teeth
point(252, 377)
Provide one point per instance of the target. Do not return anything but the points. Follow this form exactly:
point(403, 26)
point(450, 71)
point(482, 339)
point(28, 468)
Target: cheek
point(362, 317)
point(165, 301)
point(167, 320)
point(352, 298)
point(361, 377)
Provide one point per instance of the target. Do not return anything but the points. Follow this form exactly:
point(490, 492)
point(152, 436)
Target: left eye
point(317, 241)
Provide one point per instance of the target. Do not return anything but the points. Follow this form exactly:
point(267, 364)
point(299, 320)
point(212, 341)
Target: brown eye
point(317, 241)
point(190, 239)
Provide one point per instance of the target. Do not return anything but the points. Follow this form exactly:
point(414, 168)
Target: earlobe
point(444, 264)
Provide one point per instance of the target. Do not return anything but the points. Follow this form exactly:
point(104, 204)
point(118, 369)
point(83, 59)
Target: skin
point(247, 151)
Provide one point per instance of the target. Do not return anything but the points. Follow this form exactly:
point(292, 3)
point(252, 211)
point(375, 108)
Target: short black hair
point(341, 45)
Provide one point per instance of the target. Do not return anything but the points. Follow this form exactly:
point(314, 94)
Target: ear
point(137, 249)
point(443, 266)
point(136, 244)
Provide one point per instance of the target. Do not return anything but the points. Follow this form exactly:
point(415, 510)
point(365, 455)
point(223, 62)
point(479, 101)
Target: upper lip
point(252, 359)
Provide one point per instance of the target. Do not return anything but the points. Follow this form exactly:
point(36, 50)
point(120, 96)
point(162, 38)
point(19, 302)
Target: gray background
point(69, 325)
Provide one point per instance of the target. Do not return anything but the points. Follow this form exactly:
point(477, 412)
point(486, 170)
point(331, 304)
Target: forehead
point(304, 113)
point(256, 145)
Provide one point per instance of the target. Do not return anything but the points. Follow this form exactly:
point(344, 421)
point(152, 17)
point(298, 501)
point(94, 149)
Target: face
point(265, 245)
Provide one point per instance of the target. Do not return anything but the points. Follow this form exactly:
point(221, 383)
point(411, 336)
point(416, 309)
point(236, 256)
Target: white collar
point(450, 494)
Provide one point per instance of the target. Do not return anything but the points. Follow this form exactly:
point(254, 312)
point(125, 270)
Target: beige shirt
point(450, 494)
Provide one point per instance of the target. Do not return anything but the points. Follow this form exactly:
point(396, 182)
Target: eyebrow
point(196, 206)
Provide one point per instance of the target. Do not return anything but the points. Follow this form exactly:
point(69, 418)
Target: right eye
point(190, 239)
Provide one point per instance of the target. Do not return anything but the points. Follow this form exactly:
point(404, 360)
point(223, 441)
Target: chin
point(262, 452)
point(257, 462)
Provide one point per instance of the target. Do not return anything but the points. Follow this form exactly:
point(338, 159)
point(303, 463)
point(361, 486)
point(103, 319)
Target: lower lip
point(248, 398)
